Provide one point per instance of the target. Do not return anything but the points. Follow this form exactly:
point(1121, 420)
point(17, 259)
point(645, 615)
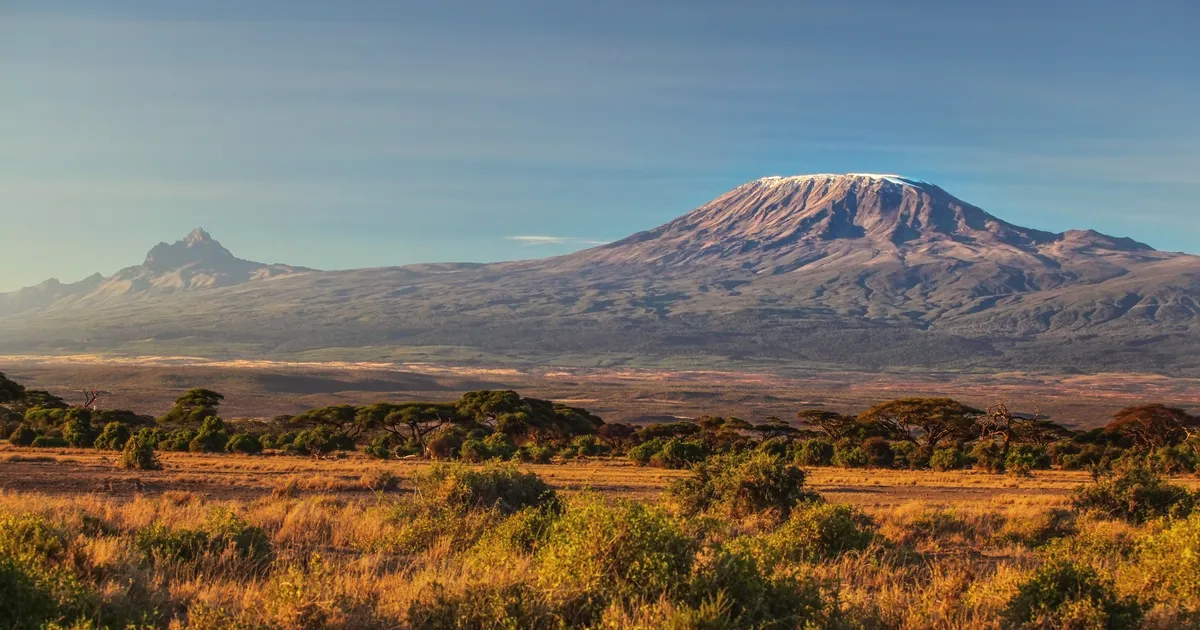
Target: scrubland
point(743, 541)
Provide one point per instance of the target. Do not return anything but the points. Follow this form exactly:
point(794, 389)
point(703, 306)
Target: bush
point(989, 456)
point(1168, 563)
point(849, 457)
point(1024, 458)
point(814, 453)
point(113, 437)
point(950, 458)
point(677, 454)
point(244, 443)
point(497, 486)
point(733, 590)
point(26, 600)
point(598, 553)
point(380, 447)
point(500, 446)
point(1137, 494)
point(78, 431)
point(211, 438)
point(178, 440)
point(816, 531)
point(1062, 594)
point(48, 441)
point(22, 436)
point(910, 456)
point(474, 451)
point(535, 454)
point(738, 485)
point(878, 451)
point(642, 453)
point(138, 454)
point(588, 446)
point(480, 606)
point(222, 531)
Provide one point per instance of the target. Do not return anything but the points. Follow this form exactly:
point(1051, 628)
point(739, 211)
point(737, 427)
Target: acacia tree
point(927, 420)
point(416, 419)
point(618, 435)
point(488, 406)
point(775, 427)
point(342, 419)
point(193, 407)
point(1154, 426)
point(834, 425)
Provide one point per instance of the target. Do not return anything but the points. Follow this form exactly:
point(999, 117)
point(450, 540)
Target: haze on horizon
point(383, 133)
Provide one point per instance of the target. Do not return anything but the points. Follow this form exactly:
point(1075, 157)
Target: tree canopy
point(927, 420)
point(1154, 426)
point(193, 407)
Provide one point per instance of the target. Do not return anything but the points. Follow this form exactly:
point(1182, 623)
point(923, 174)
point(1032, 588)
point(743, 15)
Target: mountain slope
point(196, 262)
point(867, 271)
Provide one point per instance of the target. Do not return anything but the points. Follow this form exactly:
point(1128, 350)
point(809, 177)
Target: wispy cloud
point(538, 239)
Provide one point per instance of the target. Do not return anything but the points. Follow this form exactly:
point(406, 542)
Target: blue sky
point(351, 134)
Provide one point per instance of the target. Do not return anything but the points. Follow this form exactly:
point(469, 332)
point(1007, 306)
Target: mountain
point(196, 262)
point(859, 270)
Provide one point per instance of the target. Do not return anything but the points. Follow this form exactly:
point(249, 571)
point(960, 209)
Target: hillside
point(863, 271)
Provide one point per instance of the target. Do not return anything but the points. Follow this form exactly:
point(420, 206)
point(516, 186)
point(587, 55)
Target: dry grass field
point(229, 541)
point(221, 477)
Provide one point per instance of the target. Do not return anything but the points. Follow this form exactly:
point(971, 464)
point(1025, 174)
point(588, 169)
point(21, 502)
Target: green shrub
point(598, 553)
point(211, 438)
point(731, 589)
point(1136, 494)
point(156, 542)
point(30, 535)
point(48, 441)
point(227, 530)
point(474, 451)
point(26, 600)
point(500, 446)
point(989, 456)
point(177, 441)
point(588, 446)
point(815, 453)
point(1024, 458)
point(879, 452)
point(113, 437)
point(535, 454)
point(909, 456)
point(380, 447)
point(22, 436)
point(497, 486)
point(849, 457)
point(949, 458)
point(642, 453)
point(677, 454)
point(1062, 594)
point(1168, 564)
point(138, 454)
point(244, 443)
point(480, 606)
point(78, 431)
point(738, 485)
point(816, 531)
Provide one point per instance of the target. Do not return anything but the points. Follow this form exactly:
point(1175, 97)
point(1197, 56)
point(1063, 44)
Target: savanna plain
point(500, 511)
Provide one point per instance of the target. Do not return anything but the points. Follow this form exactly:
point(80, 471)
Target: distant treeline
point(910, 433)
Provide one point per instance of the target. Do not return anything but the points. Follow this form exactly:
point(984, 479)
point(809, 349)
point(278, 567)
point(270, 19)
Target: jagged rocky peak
point(197, 247)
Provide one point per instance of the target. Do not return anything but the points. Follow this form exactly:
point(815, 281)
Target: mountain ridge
point(858, 270)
